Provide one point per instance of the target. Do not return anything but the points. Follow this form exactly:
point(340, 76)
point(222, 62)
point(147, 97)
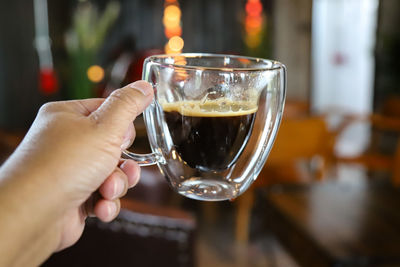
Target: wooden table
point(333, 224)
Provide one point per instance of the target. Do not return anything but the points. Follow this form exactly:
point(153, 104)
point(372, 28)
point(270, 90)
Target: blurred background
point(329, 193)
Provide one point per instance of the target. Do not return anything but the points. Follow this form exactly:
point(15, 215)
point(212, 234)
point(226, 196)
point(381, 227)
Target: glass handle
point(149, 158)
point(143, 159)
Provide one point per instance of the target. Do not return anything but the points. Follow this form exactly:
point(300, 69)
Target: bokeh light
point(176, 43)
point(95, 73)
point(254, 8)
point(172, 12)
point(254, 23)
point(173, 29)
point(171, 32)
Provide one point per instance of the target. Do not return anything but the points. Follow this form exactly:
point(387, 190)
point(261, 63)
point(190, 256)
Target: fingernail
point(132, 179)
point(112, 209)
point(119, 188)
point(142, 86)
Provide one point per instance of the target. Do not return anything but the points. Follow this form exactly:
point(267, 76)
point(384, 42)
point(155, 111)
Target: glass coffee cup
point(212, 122)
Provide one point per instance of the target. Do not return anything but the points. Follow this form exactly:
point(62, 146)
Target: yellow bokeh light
point(167, 49)
point(172, 11)
point(172, 16)
point(180, 60)
point(176, 43)
point(173, 29)
point(170, 22)
point(95, 73)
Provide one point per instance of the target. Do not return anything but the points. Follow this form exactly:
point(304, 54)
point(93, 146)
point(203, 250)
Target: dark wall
point(141, 20)
point(208, 26)
point(212, 26)
point(19, 98)
point(387, 73)
point(2, 85)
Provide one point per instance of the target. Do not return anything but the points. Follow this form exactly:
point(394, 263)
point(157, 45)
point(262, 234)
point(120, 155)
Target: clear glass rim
point(274, 65)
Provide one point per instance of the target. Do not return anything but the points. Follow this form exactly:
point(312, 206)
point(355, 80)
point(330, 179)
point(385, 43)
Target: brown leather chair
point(142, 235)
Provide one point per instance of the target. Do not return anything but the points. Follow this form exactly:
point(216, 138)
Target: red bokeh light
point(254, 8)
point(48, 83)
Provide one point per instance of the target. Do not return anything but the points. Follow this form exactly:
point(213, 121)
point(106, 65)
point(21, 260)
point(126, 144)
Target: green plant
point(83, 41)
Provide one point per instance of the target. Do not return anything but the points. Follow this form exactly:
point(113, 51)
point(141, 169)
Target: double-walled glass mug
point(212, 122)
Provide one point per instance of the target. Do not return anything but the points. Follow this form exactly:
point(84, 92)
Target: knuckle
point(128, 99)
point(48, 107)
point(94, 119)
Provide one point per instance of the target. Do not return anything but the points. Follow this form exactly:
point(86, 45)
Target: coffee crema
point(211, 135)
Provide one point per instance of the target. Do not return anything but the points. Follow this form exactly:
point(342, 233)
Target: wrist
point(30, 212)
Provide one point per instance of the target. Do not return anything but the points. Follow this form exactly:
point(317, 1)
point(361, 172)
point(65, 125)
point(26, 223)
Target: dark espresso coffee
point(212, 135)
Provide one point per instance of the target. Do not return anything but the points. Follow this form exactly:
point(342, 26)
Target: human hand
point(72, 151)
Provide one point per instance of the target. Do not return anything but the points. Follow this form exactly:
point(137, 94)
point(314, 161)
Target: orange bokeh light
point(172, 16)
point(253, 31)
point(173, 29)
point(172, 11)
point(176, 43)
point(167, 49)
point(170, 22)
point(95, 73)
point(171, 32)
point(253, 22)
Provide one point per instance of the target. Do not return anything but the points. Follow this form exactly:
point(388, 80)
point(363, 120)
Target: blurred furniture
point(152, 188)
point(383, 151)
point(296, 109)
point(143, 235)
point(333, 224)
point(299, 139)
point(302, 152)
point(391, 106)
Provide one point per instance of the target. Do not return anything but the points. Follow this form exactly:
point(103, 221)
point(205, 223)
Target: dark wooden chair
point(299, 140)
point(383, 151)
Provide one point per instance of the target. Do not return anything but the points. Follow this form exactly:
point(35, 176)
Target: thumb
point(124, 105)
